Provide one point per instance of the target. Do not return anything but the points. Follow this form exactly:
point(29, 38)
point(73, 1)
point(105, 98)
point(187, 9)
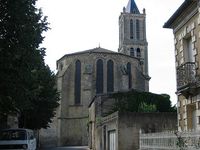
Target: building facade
point(185, 23)
point(83, 75)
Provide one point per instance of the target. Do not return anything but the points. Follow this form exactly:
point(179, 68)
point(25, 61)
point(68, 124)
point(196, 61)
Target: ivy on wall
point(136, 101)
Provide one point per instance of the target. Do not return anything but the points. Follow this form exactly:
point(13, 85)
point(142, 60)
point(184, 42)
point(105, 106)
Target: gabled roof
point(178, 12)
point(132, 7)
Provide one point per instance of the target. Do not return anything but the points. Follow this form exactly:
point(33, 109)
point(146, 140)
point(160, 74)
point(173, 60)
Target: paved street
point(67, 148)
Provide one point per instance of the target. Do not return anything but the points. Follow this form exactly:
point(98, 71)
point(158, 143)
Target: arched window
point(137, 29)
point(99, 76)
point(77, 89)
point(110, 76)
point(138, 53)
point(131, 29)
point(129, 75)
point(132, 52)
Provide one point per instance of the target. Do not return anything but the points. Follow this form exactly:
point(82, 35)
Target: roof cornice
point(178, 12)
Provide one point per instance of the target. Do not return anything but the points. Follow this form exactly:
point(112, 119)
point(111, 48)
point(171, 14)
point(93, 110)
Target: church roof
point(95, 50)
point(132, 7)
point(99, 50)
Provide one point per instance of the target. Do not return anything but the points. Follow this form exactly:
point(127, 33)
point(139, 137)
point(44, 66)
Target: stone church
point(96, 71)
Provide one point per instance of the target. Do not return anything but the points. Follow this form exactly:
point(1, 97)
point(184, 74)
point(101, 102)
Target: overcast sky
point(78, 25)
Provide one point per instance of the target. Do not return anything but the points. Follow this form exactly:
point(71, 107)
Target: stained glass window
point(110, 76)
point(77, 89)
point(99, 77)
point(129, 75)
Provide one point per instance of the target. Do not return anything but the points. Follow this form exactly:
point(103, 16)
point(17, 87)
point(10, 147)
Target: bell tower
point(132, 34)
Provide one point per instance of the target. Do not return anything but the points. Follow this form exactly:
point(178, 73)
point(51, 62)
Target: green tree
point(27, 85)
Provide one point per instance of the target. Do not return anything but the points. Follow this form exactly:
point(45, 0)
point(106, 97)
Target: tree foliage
point(27, 85)
point(135, 101)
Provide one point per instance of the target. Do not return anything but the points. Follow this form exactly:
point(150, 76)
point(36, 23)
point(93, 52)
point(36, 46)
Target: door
point(112, 140)
point(194, 120)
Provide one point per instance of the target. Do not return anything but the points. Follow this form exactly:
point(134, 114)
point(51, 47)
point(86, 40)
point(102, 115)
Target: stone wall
point(47, 137)
point(74, 131)
point(130, 124)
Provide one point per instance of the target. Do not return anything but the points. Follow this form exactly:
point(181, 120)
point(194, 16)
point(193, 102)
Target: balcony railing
point(186, 75)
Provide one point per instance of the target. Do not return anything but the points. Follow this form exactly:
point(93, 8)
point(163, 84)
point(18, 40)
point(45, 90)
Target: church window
point(129, 75)
point(77, 89)
point(132, 53)
point(99, 77)
point(138, 53)
point(110, 76)
point(137, 29)
point(131, 29)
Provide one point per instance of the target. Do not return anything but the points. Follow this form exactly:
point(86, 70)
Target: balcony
point(187, 78)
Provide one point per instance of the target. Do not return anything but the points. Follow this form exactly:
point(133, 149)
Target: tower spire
point(132, 7)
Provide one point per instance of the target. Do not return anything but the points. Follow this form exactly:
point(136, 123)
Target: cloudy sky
point(78, 25)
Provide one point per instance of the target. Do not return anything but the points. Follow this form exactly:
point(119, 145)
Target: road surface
point(67, 148)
